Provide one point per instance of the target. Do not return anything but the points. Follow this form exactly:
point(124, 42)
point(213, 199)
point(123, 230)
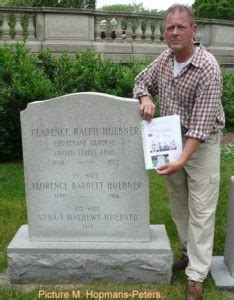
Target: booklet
point(162, 141)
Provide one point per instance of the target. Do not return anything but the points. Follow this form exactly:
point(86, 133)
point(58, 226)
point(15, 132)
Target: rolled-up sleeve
point(206, 108)
point(146, 82)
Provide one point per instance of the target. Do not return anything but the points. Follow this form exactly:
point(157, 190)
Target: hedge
point(26, 78)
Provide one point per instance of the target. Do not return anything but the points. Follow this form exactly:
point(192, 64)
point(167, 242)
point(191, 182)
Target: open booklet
point(162, 141)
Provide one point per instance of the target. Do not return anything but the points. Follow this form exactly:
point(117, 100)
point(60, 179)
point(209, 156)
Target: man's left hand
point(170, 168)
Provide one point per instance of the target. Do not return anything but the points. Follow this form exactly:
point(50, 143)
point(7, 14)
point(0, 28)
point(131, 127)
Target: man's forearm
point(190, 147)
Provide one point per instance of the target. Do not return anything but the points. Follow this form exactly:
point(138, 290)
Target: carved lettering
point(71, 143)
point(48, 218)
point(88, 185)
point(102, 142)
point(83, 217)
point(88, 152)
point(120, 217)
point(120, 131)
point(124, 185)
point(64, 153)
point(44, 132)
point(85, 131)
point(49, 185)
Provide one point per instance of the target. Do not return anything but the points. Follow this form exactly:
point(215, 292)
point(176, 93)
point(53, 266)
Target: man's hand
point(147, 108)
point(170, 168)
point(190, 147)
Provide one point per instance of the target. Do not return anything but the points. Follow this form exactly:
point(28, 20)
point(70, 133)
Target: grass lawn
point(13, 214)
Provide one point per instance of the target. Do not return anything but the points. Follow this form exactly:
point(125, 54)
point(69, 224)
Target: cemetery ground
point(13, 214)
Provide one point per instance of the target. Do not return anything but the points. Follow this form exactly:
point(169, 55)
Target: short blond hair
point(181, 8)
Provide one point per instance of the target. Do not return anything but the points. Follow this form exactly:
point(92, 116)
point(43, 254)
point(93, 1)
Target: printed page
point(162, 141)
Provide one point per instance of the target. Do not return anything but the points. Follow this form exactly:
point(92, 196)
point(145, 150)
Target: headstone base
point(221, 274)
point(83, 262)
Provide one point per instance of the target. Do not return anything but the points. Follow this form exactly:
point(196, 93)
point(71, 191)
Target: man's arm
point(146, 86)
point(190, 147)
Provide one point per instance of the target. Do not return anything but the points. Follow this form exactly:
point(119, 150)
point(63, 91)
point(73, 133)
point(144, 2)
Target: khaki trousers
point(193, 194)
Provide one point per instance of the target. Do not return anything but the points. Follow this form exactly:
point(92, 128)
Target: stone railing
point(117, 35)
point(12, 21)
point(122, 28)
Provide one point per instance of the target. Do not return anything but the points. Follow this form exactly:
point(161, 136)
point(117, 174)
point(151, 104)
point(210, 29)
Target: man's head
point(180, 28)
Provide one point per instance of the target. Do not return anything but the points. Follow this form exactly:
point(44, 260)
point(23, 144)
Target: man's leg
point(177, 186)
point(203, 185)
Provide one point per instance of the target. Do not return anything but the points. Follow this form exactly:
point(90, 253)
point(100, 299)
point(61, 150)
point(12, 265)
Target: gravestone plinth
point(222, 268)
point(87, 195)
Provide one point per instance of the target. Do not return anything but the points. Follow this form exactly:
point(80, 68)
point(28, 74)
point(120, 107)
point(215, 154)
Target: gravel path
point(228, 138)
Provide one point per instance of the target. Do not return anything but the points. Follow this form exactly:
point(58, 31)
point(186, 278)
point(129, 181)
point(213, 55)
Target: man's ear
point(194, 28)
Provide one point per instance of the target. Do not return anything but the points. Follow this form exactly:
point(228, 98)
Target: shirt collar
point(197, 56)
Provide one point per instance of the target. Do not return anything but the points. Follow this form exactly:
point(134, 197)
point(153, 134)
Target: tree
point(84, 4)
point(133, 8)
point(214, 9)
point(3, 2)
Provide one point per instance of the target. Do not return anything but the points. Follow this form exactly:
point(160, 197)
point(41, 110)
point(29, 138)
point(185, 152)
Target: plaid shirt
point(194, 94)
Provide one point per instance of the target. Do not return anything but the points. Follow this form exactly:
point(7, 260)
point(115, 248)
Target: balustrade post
point(198, 35)
point(18, 28)
point(157, 33)
point(6, 28)
point(98, 31)
point(138, 32)
point(31, 28)
point(40, 26)
point(129, 31)
point(108, 29)
point(148, 32)
point(118, 31)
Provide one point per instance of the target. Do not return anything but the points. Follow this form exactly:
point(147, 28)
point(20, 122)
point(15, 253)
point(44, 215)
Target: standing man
point(186, 79)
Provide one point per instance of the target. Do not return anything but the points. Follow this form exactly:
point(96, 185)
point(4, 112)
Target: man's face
point(179, 32)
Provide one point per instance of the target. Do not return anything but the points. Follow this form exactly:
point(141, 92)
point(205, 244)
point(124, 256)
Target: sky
point(150, 4)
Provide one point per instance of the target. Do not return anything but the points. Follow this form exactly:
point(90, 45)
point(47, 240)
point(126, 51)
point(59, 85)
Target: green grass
point(13, 214)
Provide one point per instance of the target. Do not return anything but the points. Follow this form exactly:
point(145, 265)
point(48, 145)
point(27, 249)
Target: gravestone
point(87, 195)
point(222, 267)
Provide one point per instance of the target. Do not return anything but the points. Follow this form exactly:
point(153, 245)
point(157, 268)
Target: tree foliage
point(84, 4)
point(133, 8)
point(214, 9)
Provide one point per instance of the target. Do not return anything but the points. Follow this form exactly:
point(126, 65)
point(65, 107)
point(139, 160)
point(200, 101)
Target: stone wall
point(116, 35)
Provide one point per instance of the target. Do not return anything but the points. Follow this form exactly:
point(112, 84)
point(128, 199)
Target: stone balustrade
point(129, 29)
point(17, 24)
point(116, 35)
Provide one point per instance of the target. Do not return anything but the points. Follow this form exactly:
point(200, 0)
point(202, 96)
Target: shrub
point(26, 78)
point(228, 99)
point(21, 82)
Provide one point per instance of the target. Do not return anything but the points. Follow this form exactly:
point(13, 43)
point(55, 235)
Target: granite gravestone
point(222, 267)
point(76, 150)
point(86, 190)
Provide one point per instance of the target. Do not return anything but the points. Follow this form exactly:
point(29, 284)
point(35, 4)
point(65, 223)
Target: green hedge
point(26, 78)
point(21, 82)
point(228, 99)
point(91, 4)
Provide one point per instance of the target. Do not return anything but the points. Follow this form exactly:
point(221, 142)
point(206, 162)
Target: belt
point(183, 129)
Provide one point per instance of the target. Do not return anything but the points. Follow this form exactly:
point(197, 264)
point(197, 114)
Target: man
point(186, 80)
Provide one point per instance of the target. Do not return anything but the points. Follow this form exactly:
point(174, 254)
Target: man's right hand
point(147, 108)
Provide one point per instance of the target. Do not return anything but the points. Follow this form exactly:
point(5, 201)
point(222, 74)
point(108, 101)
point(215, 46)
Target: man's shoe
point(181, 264)
point(194, 290)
